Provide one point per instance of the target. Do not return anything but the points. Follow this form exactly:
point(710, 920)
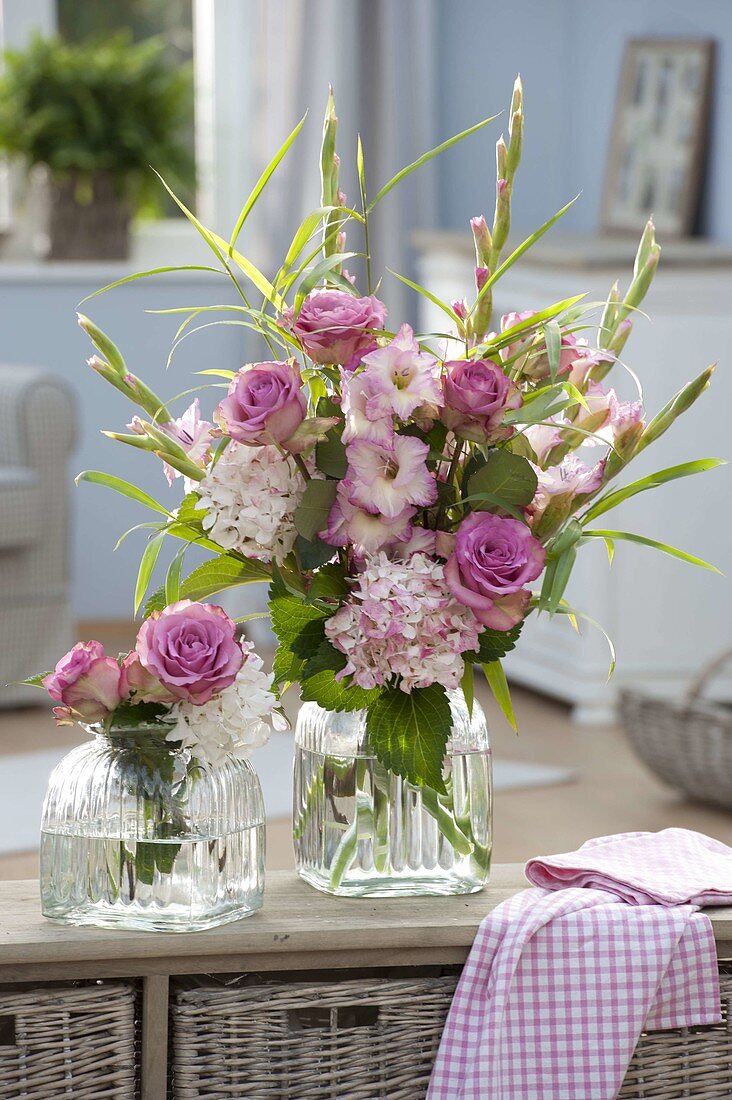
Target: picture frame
point(659, 136)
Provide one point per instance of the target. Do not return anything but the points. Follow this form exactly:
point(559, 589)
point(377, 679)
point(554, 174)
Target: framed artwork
point(658, 143)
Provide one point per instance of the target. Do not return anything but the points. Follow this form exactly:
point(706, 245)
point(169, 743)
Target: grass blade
point(627, 536)
point(147, 564)
point(498, 684)
point(97, 477)
point(404, 172)
point(651, 481)
point(146, 275)
point(262, 182)
point(430, 297)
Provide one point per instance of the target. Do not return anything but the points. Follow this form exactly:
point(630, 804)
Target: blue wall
point(569, 54)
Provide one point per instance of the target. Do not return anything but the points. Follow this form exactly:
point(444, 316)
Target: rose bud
point(86, 683)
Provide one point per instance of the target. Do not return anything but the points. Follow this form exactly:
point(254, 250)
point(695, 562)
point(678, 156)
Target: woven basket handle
point(707, 673)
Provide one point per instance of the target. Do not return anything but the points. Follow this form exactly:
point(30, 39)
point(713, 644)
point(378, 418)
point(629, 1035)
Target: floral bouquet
point(410, 499)
point(136, 830)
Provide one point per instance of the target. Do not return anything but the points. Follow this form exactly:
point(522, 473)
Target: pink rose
point(334, 327)
point(86, 683)
point(137, 682)
point(494, 558)
point(192, 648)
point(477, 393)
point(265, 403)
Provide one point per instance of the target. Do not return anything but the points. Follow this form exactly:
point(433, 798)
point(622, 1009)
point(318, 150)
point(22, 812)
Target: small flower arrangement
point(189, 673)
point(410, 499)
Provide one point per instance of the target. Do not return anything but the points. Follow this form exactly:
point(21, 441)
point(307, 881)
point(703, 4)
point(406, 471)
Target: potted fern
point(96, 115)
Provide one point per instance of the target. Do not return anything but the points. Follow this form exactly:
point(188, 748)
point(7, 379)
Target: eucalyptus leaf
point(311, 514)
point(506, 476)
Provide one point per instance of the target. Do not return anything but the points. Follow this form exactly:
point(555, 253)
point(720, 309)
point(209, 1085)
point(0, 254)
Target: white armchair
point(37, 434)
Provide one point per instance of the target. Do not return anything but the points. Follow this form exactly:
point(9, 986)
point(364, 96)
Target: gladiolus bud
point(501, 158)
point(481, 275)
point(678, 404)
point(483, 240)
point(460, 306)
point(102, 343)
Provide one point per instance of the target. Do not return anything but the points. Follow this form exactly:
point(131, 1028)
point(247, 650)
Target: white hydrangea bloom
point(236, 721)
point(250, 496)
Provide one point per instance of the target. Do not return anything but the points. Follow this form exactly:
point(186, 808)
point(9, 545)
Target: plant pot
point(137, 833)
point(360, 830)
point(89, 219)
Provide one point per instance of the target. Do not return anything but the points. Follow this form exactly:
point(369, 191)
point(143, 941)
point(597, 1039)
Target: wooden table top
point(298, 926)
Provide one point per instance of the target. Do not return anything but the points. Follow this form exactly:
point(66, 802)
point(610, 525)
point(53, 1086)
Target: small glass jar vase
point(361, 830)
point(138, 834)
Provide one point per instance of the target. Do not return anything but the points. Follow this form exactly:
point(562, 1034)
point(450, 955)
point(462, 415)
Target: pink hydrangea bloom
point(350, 525)
point(402, 621)
point(386, 479)
point(401, 376)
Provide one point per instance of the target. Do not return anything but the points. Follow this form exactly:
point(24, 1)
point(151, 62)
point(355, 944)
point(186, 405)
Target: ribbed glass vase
point(361, 830)
point(137, 834)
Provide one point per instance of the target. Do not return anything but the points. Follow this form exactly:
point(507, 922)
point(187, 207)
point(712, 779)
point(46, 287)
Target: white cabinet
point(665, 617)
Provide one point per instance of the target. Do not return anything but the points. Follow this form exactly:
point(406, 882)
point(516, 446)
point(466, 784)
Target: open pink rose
point(265, 403)
point(192, 648)
point(333, 326)
point(494, 558)
point(477, 394)
point(86, 683)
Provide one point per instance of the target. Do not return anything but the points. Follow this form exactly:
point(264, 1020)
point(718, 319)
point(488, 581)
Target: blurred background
point(629, 105)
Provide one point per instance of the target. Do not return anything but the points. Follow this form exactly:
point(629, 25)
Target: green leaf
point(560, 576)
point(319, 271)
point(96, 477)
point(330, 457)
point(488, 347)
point(313, 553)
point(329, 581)
point(651, 481)
point(518, 252)
point(627, 536)
point(498, 684)
point(311, 514)
point(287, 667)
point(263, 180)
point(319, 685)
point(404, 172)
point(506, 476)
point(212, 577)
point(409, 733)
point(431, 298)
point(553, 341)
point(172, 577)
point(298, 625)
point(146, 275)
point(494, 644)
point(147, 564)
point(35, 681)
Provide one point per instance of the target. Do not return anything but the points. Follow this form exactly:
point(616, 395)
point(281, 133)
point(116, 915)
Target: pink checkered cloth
point(562, 979)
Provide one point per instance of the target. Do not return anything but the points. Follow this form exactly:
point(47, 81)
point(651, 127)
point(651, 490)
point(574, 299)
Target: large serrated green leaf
point(311, 514)
point(319, 685)
point(409, 733)
point(298, 625)
point(494, 644)
point(506, 477)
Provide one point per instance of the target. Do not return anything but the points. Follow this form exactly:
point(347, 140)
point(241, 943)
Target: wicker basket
point(68, 1041)
point(688, 1061)
point(687, 743)
point(376, 1039)
point(363, 1039)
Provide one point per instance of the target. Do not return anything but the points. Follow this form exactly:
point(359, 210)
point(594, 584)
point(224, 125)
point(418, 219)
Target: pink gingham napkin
point(561, 981)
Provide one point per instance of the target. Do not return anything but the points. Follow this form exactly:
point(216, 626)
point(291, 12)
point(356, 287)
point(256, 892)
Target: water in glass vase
point(361, 830)
point(170, 885)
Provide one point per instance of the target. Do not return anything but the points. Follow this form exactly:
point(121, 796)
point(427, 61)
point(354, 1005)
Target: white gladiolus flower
point(236, 721)
point(250, 496)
